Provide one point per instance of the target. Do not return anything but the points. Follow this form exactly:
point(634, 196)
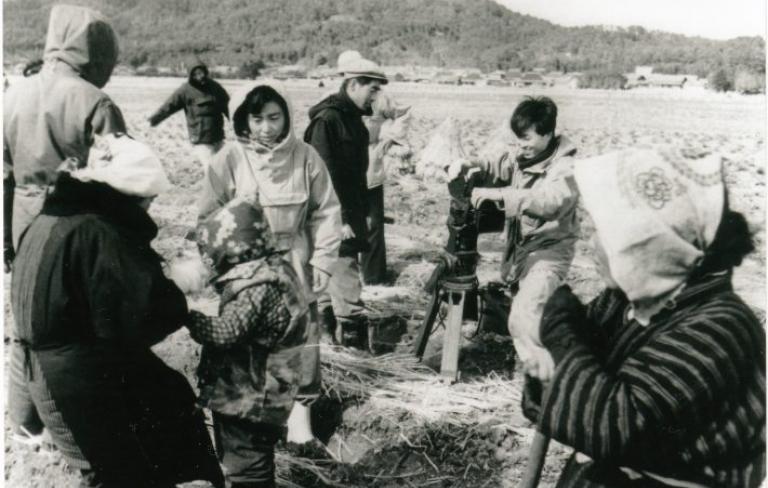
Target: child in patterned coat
point(251, 363)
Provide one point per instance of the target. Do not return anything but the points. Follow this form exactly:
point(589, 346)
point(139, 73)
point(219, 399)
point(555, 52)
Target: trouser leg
point(247, 451)
point(535, 288)
point(374, 262)
point(309, 388)
point(21, 408)
point(344, 290)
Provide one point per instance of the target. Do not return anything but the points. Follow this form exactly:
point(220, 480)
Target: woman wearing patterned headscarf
point(659, 381)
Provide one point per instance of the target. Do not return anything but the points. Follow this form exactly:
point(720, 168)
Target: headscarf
point(236, 233)
point(125, 164)
point(237, 243)
point(655, 213)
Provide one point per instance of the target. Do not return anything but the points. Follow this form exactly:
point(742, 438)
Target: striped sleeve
point(662, 391)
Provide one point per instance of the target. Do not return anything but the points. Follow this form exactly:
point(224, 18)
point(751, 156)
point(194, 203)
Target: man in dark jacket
point(337, 132)
point(205, 104)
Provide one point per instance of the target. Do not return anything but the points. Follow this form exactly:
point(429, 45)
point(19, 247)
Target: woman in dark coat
point(660, 381)
point(89, 300)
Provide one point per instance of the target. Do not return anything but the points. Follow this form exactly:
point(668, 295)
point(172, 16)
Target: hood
point(195, 66)
point(284, 147)
point(83, 39)
point(338, 101)
point(192, 69)
point(564, 147)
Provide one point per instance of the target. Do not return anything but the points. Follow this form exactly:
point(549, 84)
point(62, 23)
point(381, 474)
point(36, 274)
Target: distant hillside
point(451, 33)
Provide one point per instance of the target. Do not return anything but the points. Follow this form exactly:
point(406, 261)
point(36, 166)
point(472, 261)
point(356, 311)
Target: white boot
point(299, 425)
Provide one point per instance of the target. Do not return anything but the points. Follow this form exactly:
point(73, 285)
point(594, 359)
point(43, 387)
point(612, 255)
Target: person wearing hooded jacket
point(89, 299)
point(205, 104)
point(539, 200)
point(286, 177)
point(336, 130)
point(54, 115)
point(47, 118)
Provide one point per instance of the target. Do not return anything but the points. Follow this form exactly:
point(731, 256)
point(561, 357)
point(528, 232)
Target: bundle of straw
point(287, 464)
point(397, 384)
point(347, 373)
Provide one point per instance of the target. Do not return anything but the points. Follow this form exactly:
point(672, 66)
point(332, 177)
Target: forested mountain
point(451, 33)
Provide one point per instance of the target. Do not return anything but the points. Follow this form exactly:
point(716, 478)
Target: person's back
point(47, 118)
point(53, 115)
point(90, 298)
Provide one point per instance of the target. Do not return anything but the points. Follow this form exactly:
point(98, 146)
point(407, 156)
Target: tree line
point(445, 33)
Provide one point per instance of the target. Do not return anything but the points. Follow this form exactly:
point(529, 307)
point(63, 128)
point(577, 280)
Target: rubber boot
point(348, 332)
point(328, 326)
point(299, 424)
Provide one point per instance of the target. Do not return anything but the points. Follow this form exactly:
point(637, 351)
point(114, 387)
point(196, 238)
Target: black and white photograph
point(384, 243)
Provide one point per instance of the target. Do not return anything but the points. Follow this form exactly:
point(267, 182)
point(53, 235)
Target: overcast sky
point(717, 19)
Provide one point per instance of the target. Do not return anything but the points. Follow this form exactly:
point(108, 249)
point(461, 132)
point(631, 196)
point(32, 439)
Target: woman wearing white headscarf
point(660, 381)
point(89, 300)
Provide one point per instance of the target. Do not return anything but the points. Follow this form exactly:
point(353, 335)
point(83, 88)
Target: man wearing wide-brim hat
point(337, 132)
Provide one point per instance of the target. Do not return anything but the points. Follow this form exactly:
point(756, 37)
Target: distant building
point(322, 72)
point(497, 78)
point(400, 73)
point(472, 74)
point(225, 70)
point(122, 70)
point(643, 70)
point(531, 79)
point(645, 77)
point(290, 71)
point(497, 75)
